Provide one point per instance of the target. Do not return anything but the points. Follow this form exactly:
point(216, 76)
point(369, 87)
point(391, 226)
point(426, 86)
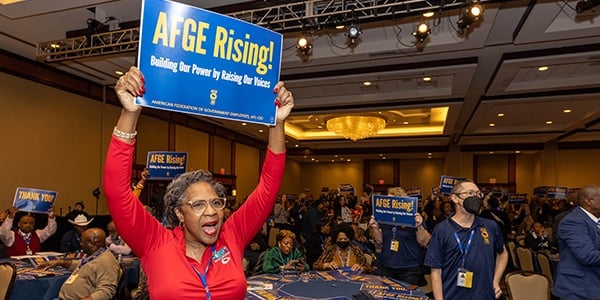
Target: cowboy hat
point(81, 220)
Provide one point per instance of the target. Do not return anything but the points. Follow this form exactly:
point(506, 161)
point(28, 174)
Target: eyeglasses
point(478, 194)
point(199, 206)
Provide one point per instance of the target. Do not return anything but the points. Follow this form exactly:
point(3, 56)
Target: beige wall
point(525, 173)
point(318, 175)
point(246, 170)
point(424, 173)
point(291, 177)
point(222, 155)
point(492, 166)
point(578, 168)
point(381, 170)
point(195, 143)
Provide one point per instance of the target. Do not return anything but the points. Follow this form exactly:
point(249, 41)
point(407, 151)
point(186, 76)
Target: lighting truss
point(282, 18)
point(111, 42)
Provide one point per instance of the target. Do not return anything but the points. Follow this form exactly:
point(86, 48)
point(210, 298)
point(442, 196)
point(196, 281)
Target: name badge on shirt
point(394, 245)
point(71, 279)
point(464, 278)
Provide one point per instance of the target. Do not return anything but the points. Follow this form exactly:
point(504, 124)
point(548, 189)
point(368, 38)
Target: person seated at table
point(70, 239)
point(318, 241)
point(536, 239)
point(24, 240)
point(114, 242)
point(95, 276)
point(284, 256)
point(342, 253)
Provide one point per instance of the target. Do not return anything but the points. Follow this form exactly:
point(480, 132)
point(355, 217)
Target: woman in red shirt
point(201, 256)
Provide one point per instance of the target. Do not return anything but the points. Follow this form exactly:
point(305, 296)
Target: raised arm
point(49, 230)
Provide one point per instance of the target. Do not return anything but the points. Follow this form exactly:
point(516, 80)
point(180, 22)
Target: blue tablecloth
point(47, 288)
point(331, 285)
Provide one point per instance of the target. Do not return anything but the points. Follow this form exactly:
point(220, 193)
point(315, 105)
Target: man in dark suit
point(578, 274)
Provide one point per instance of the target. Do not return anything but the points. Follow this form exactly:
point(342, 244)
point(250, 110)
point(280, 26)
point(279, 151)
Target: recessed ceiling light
point(492, 124)
point(339, 27)
point(119, 73)
point(500, 115)
point(384, 157)
point(312, 158)
point(260, 130)
point(517, 151)
point(426, 78)
point(317, 160)
point(543, 68)
point(296, 145)
point(348, 160)
point(566, 111)
point(56, 46)
point(367, 83)
point(405, 123)
point(380, 154)
point(428, 14)
point(429, 153)
point(305, 156)
point(320, 126)
point(244, 124)
point(491, 152)
point(548, 122)
point(333, 160)
point(335, 155)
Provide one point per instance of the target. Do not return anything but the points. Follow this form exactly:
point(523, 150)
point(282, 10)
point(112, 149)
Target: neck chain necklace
point(346, 259)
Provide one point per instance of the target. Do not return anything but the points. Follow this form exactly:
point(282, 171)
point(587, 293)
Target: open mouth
point(210, 228)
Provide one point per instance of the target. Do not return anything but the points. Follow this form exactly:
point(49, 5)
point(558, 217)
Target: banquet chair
point(513, 255)
point(272, 236)
point(544, 262)
point(525, 259)
point(524, 285)
point(8, 272)
point(520, 239)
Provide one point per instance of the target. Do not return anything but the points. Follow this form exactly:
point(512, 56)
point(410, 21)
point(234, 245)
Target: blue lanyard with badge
point(464, 277)
point(202, 276)
point(84, 261)
point(394, 243)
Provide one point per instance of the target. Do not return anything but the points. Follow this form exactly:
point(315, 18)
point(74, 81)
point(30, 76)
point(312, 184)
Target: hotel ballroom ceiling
point(487, 83)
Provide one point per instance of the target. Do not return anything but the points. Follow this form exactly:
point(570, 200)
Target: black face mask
point(343, 244)
point(472, 204)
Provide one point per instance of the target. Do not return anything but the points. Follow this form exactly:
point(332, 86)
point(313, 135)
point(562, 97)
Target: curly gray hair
point(177, 188)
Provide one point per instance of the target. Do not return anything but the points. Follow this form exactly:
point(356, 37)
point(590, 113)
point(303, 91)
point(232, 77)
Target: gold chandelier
point(356, 127)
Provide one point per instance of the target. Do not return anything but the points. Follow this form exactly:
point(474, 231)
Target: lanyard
point(202, 276)
point(90, 258)
point(467, 247)
point(344, 261)
point(27, 239)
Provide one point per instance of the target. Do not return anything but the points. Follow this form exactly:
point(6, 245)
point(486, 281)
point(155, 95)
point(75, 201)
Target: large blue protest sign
point(34, 200)
point(345, 188)
point(200, 62)
point(165, 165)
point(448, 182)
point(557, 192)
point(395, 210)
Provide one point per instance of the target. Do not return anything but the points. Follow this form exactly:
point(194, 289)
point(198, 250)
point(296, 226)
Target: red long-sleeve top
point(162, 251)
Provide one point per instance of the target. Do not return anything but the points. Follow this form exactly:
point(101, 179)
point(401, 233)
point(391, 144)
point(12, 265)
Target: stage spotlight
point(304, 46)
point(584, 5)
point(422, 32)
point(470, 15)
point(353, 33)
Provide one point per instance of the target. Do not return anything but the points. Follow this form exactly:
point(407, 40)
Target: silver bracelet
point(124, 135)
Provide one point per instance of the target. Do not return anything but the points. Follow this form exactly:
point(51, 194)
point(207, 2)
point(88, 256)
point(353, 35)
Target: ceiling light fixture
point(422, 32)
point(469, 16)
point(548, 122)
point(492, 124)
point(367, 83)
point(584, 5)
point(356, 127)
point(428, 14)
point(304, 46)
point(119, 73)
point(543, 68)
point(501, 115)
point(353, 33)
point(566, 111)
point(426, 78)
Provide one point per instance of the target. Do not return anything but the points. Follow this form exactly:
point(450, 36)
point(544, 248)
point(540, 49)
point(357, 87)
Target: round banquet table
point(339, 284)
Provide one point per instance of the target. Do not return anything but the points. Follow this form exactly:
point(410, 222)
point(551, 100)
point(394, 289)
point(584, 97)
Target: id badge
point(71, 279)
point(464, 278)
point(394, 245)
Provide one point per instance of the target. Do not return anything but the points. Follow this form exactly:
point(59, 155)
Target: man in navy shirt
point(463, 248)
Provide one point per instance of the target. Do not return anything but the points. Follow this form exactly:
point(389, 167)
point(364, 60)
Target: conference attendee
point(318, 241)
point(284, 256)
point(578, 272)
point(466, 253)
point(139, 186)
point(114, 242)
point(342, 254)
point(94, 277)
point(25, 240)
point(402, 247)
point(257, 246)
point(281, 213)
point(78, 209)
point(201, 256)
point(536, 239)
point(70, 241)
